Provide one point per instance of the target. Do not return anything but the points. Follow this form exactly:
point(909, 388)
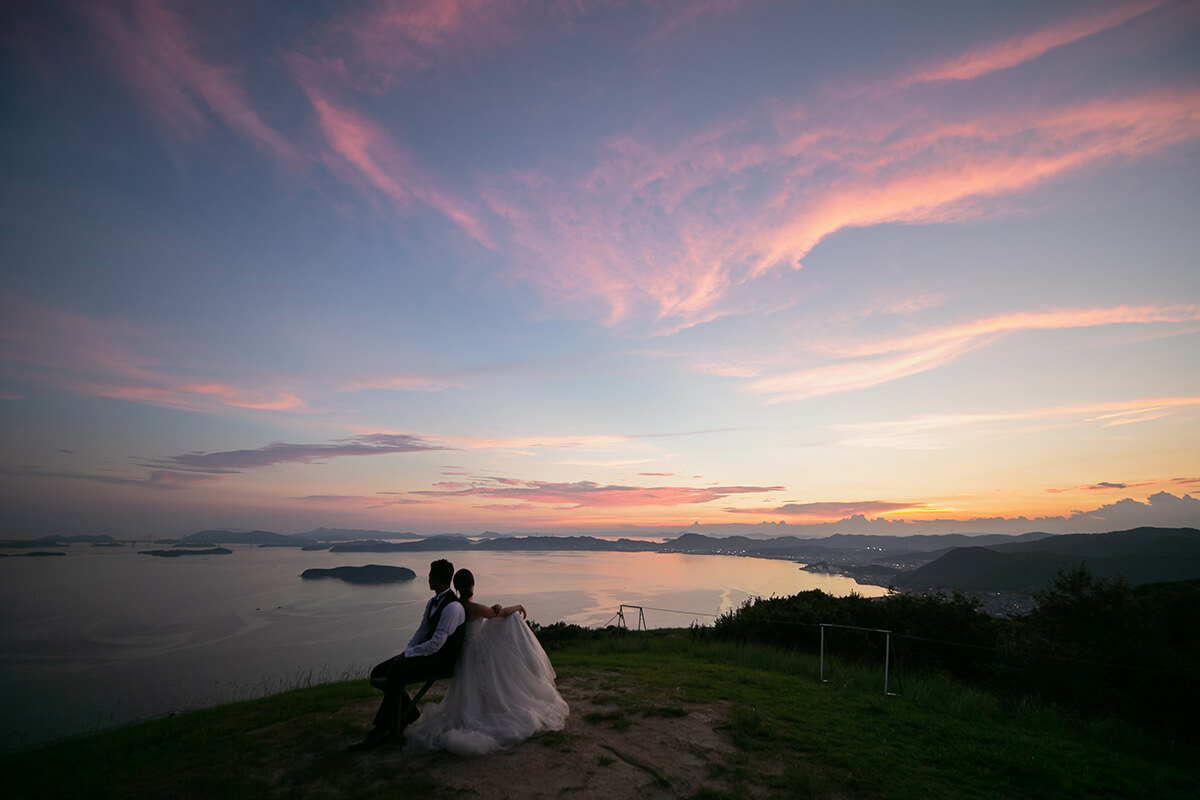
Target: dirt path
point(604, 752)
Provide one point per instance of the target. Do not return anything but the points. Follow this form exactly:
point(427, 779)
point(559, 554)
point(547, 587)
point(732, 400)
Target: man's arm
point(452, 616)
point(419, 635)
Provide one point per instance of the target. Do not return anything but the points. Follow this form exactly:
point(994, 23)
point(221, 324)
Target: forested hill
point(1141, 555)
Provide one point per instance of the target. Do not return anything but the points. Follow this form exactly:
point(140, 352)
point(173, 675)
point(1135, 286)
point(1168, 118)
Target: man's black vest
point(447, 656)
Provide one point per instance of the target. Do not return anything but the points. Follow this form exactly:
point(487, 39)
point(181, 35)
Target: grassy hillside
point(1141, 555)
point(786, 735)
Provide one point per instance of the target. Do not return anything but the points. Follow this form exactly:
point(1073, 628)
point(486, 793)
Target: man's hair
point(443, 570)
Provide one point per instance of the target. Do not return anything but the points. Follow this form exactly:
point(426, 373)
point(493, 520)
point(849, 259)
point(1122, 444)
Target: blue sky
point(467, 265)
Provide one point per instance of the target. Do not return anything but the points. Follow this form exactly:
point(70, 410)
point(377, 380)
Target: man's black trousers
point(392, 675)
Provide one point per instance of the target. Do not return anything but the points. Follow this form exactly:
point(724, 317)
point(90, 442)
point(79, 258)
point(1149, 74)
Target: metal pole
point(822, 654)
point(887, 663)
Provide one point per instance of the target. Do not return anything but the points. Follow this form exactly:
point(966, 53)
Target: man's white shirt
point(453, 615)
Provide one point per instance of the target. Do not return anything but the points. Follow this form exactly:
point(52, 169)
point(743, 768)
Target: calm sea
point(104, 636)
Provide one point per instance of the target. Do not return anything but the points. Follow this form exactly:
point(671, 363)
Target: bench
point(380, 682)
point(429, 683)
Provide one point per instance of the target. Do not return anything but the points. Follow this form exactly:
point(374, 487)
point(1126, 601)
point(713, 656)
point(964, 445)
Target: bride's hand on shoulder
point(498, 609)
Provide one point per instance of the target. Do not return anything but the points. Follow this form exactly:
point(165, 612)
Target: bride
point(503, 687)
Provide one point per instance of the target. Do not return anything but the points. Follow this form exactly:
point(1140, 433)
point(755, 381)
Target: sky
point(469, 265)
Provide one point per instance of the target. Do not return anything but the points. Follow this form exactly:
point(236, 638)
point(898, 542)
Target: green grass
point(795, 737)
point(940, 739)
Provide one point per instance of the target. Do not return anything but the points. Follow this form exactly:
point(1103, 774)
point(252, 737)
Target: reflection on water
point(105, 636)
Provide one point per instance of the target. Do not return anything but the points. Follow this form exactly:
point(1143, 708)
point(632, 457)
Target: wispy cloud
point(1027, 46)
point(832, 510)
point(867, 364)
point(588, 494)
point(228, 461)
point(659, 232)
point(935, 431)
point(158, 479)
point(401, 383)
point(368, 502)
point(162, 58)
point(1104, 486)
point(670, 232)
point(112, 358)
point(363, 153)
point(388, 42)
point(526, 443)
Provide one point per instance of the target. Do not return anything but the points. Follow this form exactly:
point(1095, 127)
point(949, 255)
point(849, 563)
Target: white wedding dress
point(501, 694)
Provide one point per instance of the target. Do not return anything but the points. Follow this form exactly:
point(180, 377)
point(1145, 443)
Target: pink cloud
point(402, 383)
point(974, 160)
point(1026, 47)
point(672, 232)
point(509, 507)
point(1056, 319)
point(831, 510)
point(531, 442)
point(362, 153)
point(874, 363)
point(359, 501)
point(395, 39)
point(587, 494)
point(931, 431)
point(111, 358)
point(160, 56)
point(682, 17)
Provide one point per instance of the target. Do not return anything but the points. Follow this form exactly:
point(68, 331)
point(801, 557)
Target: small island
point(371, 573)
point(212, 551)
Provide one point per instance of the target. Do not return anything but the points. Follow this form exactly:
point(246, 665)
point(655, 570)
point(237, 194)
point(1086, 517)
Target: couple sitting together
point(502, 691)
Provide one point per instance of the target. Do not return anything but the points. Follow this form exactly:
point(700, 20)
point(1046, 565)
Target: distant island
point(212, 551)
point(371, 573)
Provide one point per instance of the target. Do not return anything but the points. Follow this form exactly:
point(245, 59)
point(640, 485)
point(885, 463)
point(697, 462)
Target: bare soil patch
point(606, 751)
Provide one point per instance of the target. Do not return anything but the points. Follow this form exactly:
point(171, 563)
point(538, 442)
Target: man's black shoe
point(376, 737)
point(409, 716)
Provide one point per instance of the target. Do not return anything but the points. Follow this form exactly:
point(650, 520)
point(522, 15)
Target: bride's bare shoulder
point(477, 611)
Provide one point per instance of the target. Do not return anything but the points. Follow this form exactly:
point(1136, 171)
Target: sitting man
point(432, 652)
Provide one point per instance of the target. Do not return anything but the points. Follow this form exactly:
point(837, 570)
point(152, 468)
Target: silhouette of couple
point(502, 691)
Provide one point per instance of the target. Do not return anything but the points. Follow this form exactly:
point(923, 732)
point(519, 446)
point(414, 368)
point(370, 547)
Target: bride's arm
point(479, 611)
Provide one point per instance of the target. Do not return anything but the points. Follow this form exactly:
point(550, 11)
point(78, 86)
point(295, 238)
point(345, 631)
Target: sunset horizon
point(456, 266)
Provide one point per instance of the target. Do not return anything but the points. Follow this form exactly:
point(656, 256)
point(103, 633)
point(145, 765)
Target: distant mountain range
point(291, 540)
point(983, 563)
point(57, 541)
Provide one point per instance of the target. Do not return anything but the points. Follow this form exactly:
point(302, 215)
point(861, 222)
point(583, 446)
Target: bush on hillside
point(1100, 645)
point(922, 625)
point(1095, 645)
